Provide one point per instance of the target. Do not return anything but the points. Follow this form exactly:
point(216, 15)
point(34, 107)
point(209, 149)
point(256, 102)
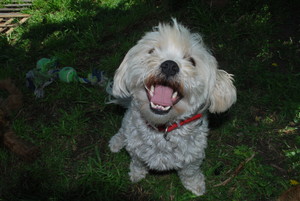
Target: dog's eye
point(151, 51)
point(192, 60)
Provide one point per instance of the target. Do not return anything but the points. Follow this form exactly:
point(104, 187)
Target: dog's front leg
point(117, 142)
point(192, 179)
point(138, 170)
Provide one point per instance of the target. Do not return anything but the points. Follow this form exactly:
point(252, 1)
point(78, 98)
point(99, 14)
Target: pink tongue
point(162, 96)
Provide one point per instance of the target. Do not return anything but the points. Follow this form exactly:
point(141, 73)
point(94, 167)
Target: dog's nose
point(169, 68)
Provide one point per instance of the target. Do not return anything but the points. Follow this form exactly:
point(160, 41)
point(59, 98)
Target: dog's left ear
point(121, 82)
point(223, 94)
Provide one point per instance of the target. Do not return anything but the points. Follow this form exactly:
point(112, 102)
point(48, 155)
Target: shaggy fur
point(176, 61)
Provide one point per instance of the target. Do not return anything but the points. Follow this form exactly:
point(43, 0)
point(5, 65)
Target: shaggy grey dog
point(172, 80)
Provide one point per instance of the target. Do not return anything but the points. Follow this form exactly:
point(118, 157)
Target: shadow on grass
point(87, 31)
point(81, 36)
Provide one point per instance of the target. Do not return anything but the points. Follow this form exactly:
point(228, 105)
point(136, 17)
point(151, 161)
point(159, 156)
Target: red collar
point(172, 127)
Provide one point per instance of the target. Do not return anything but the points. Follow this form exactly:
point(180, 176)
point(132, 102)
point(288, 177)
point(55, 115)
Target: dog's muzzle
point(164, 91)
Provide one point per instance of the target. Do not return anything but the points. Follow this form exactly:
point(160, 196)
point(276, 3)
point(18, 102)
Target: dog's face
point(170, 75)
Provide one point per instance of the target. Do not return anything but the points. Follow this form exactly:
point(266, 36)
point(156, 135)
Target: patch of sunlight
point(297, 115)
point(288, 42)
point(269, 119)
point(265, 52)
point(115, 3)
point(293, 155)
point(288, 130)
point(264, 16)
point(293, 126)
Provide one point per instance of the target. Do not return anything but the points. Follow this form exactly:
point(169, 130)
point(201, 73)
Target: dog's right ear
point(121, 86)
point(224, 93)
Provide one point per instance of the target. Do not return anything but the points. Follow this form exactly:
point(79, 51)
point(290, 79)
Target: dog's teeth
point(152, 88)
point(166, 108)
point(160, 107)
point(152, 105)
point(175, 94)
point(151, 91)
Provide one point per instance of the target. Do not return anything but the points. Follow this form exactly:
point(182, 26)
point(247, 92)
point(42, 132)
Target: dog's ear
point(223, 94)
point(121, 83)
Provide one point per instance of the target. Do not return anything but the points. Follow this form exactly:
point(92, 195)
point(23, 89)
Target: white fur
point(203, 88)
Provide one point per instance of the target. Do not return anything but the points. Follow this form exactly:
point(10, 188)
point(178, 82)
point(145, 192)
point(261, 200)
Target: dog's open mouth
point(162, 97)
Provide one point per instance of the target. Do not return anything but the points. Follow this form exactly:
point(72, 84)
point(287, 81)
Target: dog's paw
point(116, 143)
point(137, 176)
point(137, 171)
point(197, 189)
point(195, 184)
point(134, 177)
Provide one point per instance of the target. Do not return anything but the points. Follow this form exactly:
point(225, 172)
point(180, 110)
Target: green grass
point(71, 125)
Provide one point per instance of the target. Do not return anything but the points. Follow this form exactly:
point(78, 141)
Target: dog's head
point(170, 74)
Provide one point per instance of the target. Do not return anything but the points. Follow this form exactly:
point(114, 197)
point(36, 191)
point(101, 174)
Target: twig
point(278, 168)
point(236, 171)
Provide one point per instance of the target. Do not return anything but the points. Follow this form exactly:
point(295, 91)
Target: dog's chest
point(159, 153)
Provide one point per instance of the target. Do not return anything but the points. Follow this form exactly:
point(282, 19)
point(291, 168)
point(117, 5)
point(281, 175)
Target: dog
point(172, 81)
